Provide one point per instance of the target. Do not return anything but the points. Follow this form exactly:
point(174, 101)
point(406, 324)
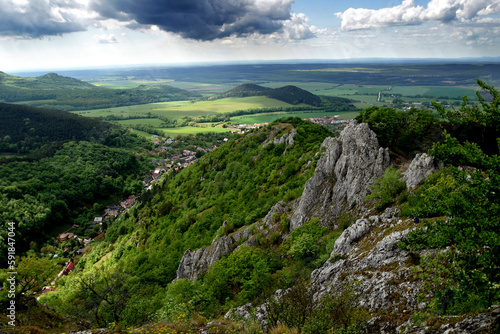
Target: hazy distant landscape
point(180, 94)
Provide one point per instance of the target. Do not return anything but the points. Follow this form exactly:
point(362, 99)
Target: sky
point(76, 34)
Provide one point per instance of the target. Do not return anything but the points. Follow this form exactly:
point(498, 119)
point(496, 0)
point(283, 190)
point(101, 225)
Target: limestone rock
point(369, 254)
point(348, 166)
point(352, 234)
point(193, 263)
point(421, 166)
point(287, 138)
point(482, 323)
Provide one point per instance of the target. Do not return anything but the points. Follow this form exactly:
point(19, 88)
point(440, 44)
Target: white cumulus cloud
point(442, 11)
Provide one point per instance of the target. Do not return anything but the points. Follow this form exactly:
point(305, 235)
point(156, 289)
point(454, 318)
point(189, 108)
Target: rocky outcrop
point(287, 138)
point(348, 165)
point(194, 263)
point(479, 324)
point(367, 253)
point(421, 166)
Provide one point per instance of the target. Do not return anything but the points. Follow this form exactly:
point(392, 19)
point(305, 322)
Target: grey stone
point(348, 166)
point(421, 166)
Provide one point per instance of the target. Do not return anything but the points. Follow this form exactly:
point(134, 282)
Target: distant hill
point(289, 94)
point(23, 128)
point(59, 92)
point(45, 82)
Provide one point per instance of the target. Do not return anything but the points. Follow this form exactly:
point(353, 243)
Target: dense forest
point(23, 129)
point(69, 163)
point(59, 92)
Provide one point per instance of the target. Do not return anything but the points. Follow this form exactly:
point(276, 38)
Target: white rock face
point(346, 169)
point(421, 166)
point(352, 234)
point(194, 263)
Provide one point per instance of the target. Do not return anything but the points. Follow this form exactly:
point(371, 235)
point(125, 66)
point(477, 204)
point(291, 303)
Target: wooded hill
point(56, 91)
point(69, 164)
point(23, 128)
point(377, 269)
point(290, 94)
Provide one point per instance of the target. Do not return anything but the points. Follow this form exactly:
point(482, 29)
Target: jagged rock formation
point(367, 252)
point(194, 263)
point(348, 166)
point(421, 166)
point(481, 323)
point(285, 138)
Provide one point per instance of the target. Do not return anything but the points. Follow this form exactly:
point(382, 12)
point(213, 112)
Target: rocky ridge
point(366, 254)
point(348, 166)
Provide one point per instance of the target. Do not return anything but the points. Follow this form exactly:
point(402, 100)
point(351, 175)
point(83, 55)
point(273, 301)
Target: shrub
point(386, 188)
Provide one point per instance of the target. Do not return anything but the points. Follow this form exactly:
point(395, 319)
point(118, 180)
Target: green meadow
point(191, 130)
point(179, 109)
point(269, 117)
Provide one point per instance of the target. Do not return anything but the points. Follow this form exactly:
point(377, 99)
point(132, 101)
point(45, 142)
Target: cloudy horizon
point(71, 34)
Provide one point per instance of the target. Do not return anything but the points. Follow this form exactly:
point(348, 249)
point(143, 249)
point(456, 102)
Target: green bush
point(386, 188)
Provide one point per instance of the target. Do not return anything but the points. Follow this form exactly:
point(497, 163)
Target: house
point(98, 220)
point(69, 267)
point(111, 213)
point(65, 236)
point(128, 202)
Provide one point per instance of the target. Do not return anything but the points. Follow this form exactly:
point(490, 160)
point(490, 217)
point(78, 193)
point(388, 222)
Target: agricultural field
point(179, 109)
point(400, 83)
point(269, 117)
point(192, 130)
point(126, 83)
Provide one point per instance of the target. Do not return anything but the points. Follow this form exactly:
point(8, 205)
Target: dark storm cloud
point(200, 19)
point(38, 18)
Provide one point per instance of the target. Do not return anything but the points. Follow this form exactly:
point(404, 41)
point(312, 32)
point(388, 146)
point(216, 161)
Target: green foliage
point(404, 131)
point(335, 311)
point(386, 188)
point(243, 276)
point(469, 196)
point(33, 274)
point(303, 246)
point(40, 195)
point(304, 240)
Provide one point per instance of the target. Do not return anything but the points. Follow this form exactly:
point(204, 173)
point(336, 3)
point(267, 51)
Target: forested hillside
point(59, 92)
point(229, 188)
point(69, 163)
point(288, 94)
point(23, 129)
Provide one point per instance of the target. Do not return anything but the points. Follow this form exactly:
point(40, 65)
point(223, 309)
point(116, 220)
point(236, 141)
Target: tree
point(104, 295)
point(33, 274)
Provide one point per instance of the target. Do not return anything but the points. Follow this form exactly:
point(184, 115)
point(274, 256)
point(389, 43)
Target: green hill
point(23, 128)
point(241, 202)
point(70, 165)
point(45, 82)
point(289, 94)
point(233, 186)
point(60, 92)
